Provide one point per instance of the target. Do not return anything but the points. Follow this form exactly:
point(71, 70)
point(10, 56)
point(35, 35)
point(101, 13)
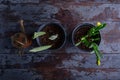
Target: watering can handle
point(22, 26)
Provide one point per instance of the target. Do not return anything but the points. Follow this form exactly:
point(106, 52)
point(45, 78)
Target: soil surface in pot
point(52, 29)
point(82, 31)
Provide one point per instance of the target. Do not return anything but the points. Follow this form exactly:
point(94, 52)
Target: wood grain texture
point(68, 63)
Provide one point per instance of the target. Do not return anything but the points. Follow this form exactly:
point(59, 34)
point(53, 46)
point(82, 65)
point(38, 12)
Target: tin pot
point(52, 29)
point(79, 32)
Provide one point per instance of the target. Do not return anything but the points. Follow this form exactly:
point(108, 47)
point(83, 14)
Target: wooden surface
point(67, 63)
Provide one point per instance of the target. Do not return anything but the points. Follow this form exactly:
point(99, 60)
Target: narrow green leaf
point(37, 34)
point(97, 52)
point(86, 42)
point(95, 33)
point(77, 44)
point(95, 30)
point(91, 31)
point(92, 52)
point(83, 40)
point(96, 39)
point(53, 37)
point(91, 46)
point(100, 27)
point(40, 48)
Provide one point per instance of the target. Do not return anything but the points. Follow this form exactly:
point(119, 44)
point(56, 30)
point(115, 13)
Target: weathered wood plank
point(95, 74)
point(81, 1)
point(76, 12)
point(68, 63)
point(58, 60)
point(60, 1)
point(91, 74)
point(19, 1)
point(19, 74)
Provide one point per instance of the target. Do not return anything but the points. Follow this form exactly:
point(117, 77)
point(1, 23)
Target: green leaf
point(95, 33)
point(53, 37)
point(40, 48)
point(95, 47)
point(91, 46)
point(91, 31)
point(100, 27)
point(77, 44)
point(83, 40)
point(95, 30)
point(92, 52)
point(97, 52)
point(86, 42)
point(96, 39)
point(37, 34)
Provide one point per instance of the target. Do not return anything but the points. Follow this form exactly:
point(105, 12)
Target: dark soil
point(52, 29)
point(82, 31)
point(20, 40)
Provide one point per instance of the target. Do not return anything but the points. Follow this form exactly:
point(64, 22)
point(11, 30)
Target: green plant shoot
point(37, 34)
point(95, 30)
point(53, 37)
point(40, 48)
point(97, 52)
point(91, 44)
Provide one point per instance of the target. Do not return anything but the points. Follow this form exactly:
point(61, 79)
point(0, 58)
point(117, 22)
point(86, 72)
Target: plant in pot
point(87, 37)
point(50, 36)
point(20, 40)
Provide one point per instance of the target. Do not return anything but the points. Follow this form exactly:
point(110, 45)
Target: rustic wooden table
point(68, 63)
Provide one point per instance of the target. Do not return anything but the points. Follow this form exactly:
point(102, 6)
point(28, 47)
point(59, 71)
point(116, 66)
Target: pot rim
point(61, 26)
point(79, 26)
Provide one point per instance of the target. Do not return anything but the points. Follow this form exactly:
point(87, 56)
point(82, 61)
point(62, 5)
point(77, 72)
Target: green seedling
point(53, 37)
point(41, 48)
point(37, 34)
point(91, 43)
